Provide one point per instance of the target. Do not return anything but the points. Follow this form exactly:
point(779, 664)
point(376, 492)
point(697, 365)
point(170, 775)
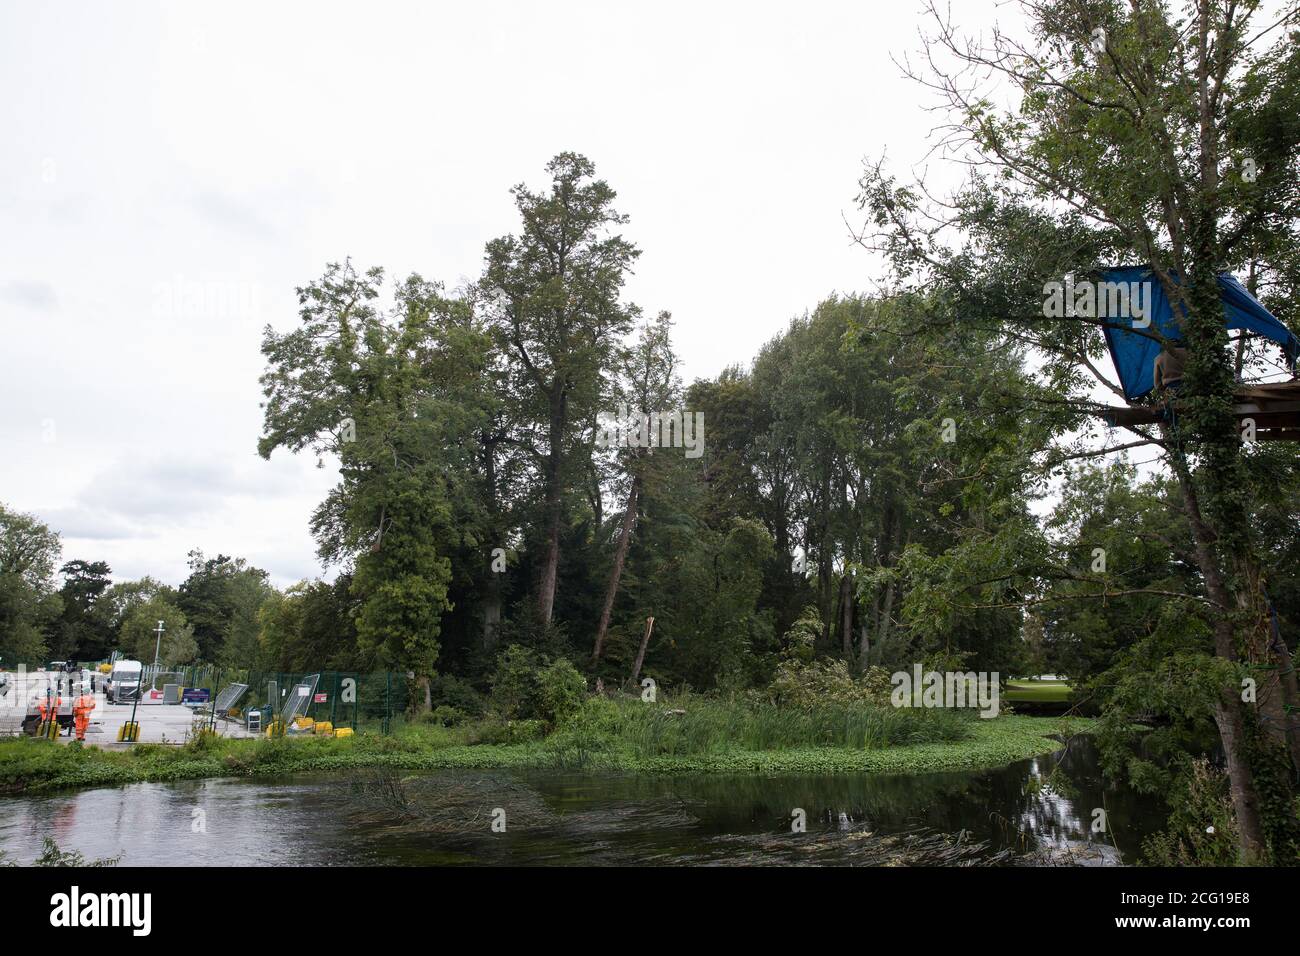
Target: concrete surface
point(159, 723)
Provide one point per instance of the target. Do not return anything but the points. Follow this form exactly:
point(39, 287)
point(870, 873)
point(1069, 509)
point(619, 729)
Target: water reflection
point(1039, 811)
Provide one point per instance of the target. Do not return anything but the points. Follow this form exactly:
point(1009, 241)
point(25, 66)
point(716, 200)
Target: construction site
point(115, 704)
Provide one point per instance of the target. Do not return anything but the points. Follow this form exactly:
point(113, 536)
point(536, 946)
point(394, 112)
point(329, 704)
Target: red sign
point(321, 698)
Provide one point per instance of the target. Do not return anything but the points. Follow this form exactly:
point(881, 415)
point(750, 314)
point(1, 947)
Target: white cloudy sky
point(171, 171)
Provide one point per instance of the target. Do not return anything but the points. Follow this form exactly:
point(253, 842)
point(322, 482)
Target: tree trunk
point(492, 613)
point(640, 654)
point(1241, 783)
point(1229, 713)
point(1290, 696)
point(846, 615)
point(554, 509)
point(616, 572)
point(886, 612)
point(492, 602)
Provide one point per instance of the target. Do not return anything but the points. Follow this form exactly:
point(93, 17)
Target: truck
point(123, 682)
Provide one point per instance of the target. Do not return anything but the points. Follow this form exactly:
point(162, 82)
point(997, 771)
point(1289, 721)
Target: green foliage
point(628, 735)
point(29, 602)
point(221, 599)
point(81, 634)
point(707, 726)
point(454, 692)
point(138, 636)
point(53, 855)
point(444, 716)
point(516, 689)
point(561, 691)
point(1201, 830)
point(527, 685)
point(826, 682)
point(507, 731)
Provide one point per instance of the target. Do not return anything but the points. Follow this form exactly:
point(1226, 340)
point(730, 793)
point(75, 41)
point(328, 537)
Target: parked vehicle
point(123, 682)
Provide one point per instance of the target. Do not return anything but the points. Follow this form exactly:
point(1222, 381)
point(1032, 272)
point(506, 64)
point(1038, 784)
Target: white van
point(123, 683)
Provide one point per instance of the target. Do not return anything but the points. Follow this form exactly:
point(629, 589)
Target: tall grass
point(698, 725)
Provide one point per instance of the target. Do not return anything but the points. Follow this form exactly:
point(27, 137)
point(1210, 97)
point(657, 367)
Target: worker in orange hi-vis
point(48, 706)
point(81, 709)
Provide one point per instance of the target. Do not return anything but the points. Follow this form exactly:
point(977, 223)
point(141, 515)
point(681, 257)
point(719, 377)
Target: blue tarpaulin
point(1134, 354)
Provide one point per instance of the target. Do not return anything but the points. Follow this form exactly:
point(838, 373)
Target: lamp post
point(157, 644)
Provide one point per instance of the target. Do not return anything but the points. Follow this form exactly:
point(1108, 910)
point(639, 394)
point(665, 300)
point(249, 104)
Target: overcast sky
point(171, 172)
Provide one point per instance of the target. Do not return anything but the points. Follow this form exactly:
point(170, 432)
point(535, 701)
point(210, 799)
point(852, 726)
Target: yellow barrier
point(323, 727)
point(129, 732)
point(275, 728)
point(343, 732)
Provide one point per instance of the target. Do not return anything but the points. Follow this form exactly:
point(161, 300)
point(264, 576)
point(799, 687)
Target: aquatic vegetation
point(621, 738)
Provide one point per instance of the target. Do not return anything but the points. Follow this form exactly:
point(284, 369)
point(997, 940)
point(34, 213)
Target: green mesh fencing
point(363, 701)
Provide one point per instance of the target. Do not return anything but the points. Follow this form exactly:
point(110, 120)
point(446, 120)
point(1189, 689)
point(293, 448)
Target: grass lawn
point(1037, 692)
point(28, 765)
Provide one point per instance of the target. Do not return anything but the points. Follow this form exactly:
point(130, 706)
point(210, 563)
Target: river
point(1019, 814)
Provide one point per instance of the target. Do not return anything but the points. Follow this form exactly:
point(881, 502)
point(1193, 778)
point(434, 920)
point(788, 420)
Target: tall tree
point(29, 602)
point(553, 294)
point(220, 600)
point(139, 637)
point(1161, 140)
point(648, 388)
point(371, 388)
point(81, 633)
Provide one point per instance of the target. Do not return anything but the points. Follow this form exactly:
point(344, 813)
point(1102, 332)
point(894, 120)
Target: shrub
point(443, 716)
point(507, 731)
point(1202, 827)
point(456, 693)
point(562, 690)
point(516, 688)
point(823, 682)
point(528, 686)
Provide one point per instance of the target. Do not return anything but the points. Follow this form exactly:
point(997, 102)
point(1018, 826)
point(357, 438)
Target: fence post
point(388, 700)
point(212, 700)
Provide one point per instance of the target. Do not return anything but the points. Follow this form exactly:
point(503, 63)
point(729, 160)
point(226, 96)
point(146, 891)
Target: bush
point(823, 682)
point(507, 732)
point(562, 691)
point(515, 685)
point(1202, 827)
point(530, 687)
point(456, 693)
point(443, 716)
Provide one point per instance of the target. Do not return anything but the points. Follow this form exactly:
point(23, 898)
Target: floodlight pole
point(157, 644)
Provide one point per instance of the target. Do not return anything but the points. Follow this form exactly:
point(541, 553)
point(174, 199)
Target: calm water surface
point(1024, 813)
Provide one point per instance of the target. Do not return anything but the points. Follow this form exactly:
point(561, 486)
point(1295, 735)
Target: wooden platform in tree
point(1275, 410)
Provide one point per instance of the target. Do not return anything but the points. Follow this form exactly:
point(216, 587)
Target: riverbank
point(31, 766)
